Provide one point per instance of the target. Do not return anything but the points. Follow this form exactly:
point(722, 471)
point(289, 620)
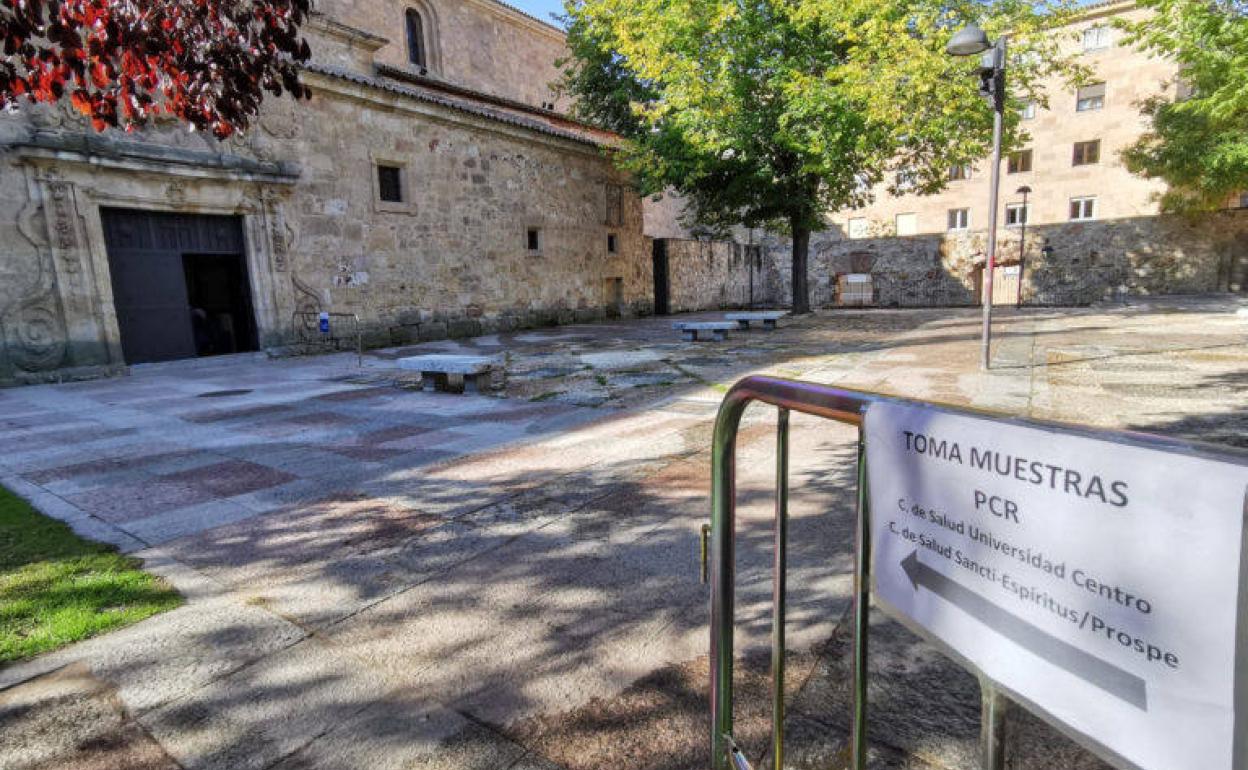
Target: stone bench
point(455, 374)
point(768, 317)
point(692, 330)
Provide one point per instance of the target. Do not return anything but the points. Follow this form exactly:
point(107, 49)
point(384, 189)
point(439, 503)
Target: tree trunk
point(801, 289)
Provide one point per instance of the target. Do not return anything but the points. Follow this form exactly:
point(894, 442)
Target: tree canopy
point(207, 62)
point(1198, 142)
point(774, 112)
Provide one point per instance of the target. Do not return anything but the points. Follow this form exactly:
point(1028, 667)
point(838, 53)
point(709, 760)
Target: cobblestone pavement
point(383, 578)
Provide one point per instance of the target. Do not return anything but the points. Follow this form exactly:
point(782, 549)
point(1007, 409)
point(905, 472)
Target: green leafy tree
point(1197, 143)
point(773, 112)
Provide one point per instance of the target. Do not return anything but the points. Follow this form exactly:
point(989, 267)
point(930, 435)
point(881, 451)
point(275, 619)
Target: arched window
point(416, 39)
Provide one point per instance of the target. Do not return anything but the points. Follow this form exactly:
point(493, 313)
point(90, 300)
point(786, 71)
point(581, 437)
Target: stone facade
point(1070, 263)
point(482, 163)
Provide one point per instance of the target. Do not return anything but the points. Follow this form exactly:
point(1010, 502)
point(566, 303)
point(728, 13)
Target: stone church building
point(430, 187)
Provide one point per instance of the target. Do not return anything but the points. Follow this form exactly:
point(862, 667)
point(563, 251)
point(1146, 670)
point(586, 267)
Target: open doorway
point(180, 285)
point(219, 301)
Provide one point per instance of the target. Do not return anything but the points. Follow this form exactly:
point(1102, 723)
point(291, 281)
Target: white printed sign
point(1095, 579)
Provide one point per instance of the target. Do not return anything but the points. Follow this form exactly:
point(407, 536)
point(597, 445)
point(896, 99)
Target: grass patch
point(548, 395)
point(57, 588)
point(601, 379)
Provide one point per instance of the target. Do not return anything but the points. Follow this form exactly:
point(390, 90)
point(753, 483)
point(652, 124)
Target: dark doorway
point(220, 303)
point(662, 297)
point(180, 284)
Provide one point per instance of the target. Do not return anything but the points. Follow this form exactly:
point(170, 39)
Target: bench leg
point(454, 383)
point(743, 324)
point(689, 335)
point(769, 325)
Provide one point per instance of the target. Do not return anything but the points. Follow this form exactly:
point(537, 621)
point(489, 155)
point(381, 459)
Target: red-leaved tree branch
point(208, 62)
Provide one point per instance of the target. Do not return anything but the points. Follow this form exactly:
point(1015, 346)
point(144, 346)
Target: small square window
point(960, 172)
point(1016, 214)
point(612, 243)
point(533, 238)
point(1090, 97)
point(1096, 38)
point(390, 183)
point(1028, 111)
point(1087, 153)
point(1019, 162)
point(959, 219)
point(1082, 209)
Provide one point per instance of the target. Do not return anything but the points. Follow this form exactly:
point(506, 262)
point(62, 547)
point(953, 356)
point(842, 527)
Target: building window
point(907, 180)
point(857, 227)
point(390, 183)
point(960, 172)
point(416, 39)
point(533, 239)
point(1087, 153)
point(612, 243)
point(959, 219)
point(1019, 162)
point(1028, 111)
point(1016, 214)
point(1090, 97)
point(907, 224)
point(1096, 38)
point(1082, 209)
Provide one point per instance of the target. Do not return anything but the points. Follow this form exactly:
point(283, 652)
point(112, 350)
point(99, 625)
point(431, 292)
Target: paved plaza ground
point(380, 578)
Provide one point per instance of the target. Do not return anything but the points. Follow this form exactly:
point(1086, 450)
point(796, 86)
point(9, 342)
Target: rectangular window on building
point(1090, 97)
point(907, 224)
point(1087, 153)
point(959, 219)
point(533, 239)
point(1016, 214)
point(390, 183)
point(857, 227)
point(1082, 209)
point(1028, 111)
point(960, 172)
point(1019, 162)
point(612, 243)
point(1096, 38)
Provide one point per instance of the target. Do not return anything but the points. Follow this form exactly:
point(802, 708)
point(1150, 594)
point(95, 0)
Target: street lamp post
point(1022, 244)
point(969, 41)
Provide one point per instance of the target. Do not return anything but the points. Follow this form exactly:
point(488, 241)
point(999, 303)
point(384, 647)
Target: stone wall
point(1087, 261)
point(711, 275)
point(478, 44)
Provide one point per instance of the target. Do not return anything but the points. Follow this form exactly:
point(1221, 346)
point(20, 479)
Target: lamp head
point(968, 41)
point(1024, 190)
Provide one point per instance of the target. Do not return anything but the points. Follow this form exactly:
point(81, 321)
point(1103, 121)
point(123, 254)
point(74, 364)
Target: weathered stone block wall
point(479, 44)
point(1086, 261)
point(710, 275)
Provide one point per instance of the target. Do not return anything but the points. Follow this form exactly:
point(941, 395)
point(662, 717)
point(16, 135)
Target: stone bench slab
point(454, 373)
point(696, 330)
point(768, 317)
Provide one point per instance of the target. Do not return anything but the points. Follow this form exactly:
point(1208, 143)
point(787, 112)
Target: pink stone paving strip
point(138, 499)
point(229, 478)
point(237, 413)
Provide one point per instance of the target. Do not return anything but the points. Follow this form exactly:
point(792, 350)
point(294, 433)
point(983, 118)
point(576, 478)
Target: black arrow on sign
point(1113, 680)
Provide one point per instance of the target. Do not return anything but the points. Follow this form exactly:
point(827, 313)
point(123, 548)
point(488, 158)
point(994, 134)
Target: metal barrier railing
point(850, 407)
point(306, 324)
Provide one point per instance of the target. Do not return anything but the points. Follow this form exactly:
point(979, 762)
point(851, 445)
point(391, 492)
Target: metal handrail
point(359, 335)
point(850, 407)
